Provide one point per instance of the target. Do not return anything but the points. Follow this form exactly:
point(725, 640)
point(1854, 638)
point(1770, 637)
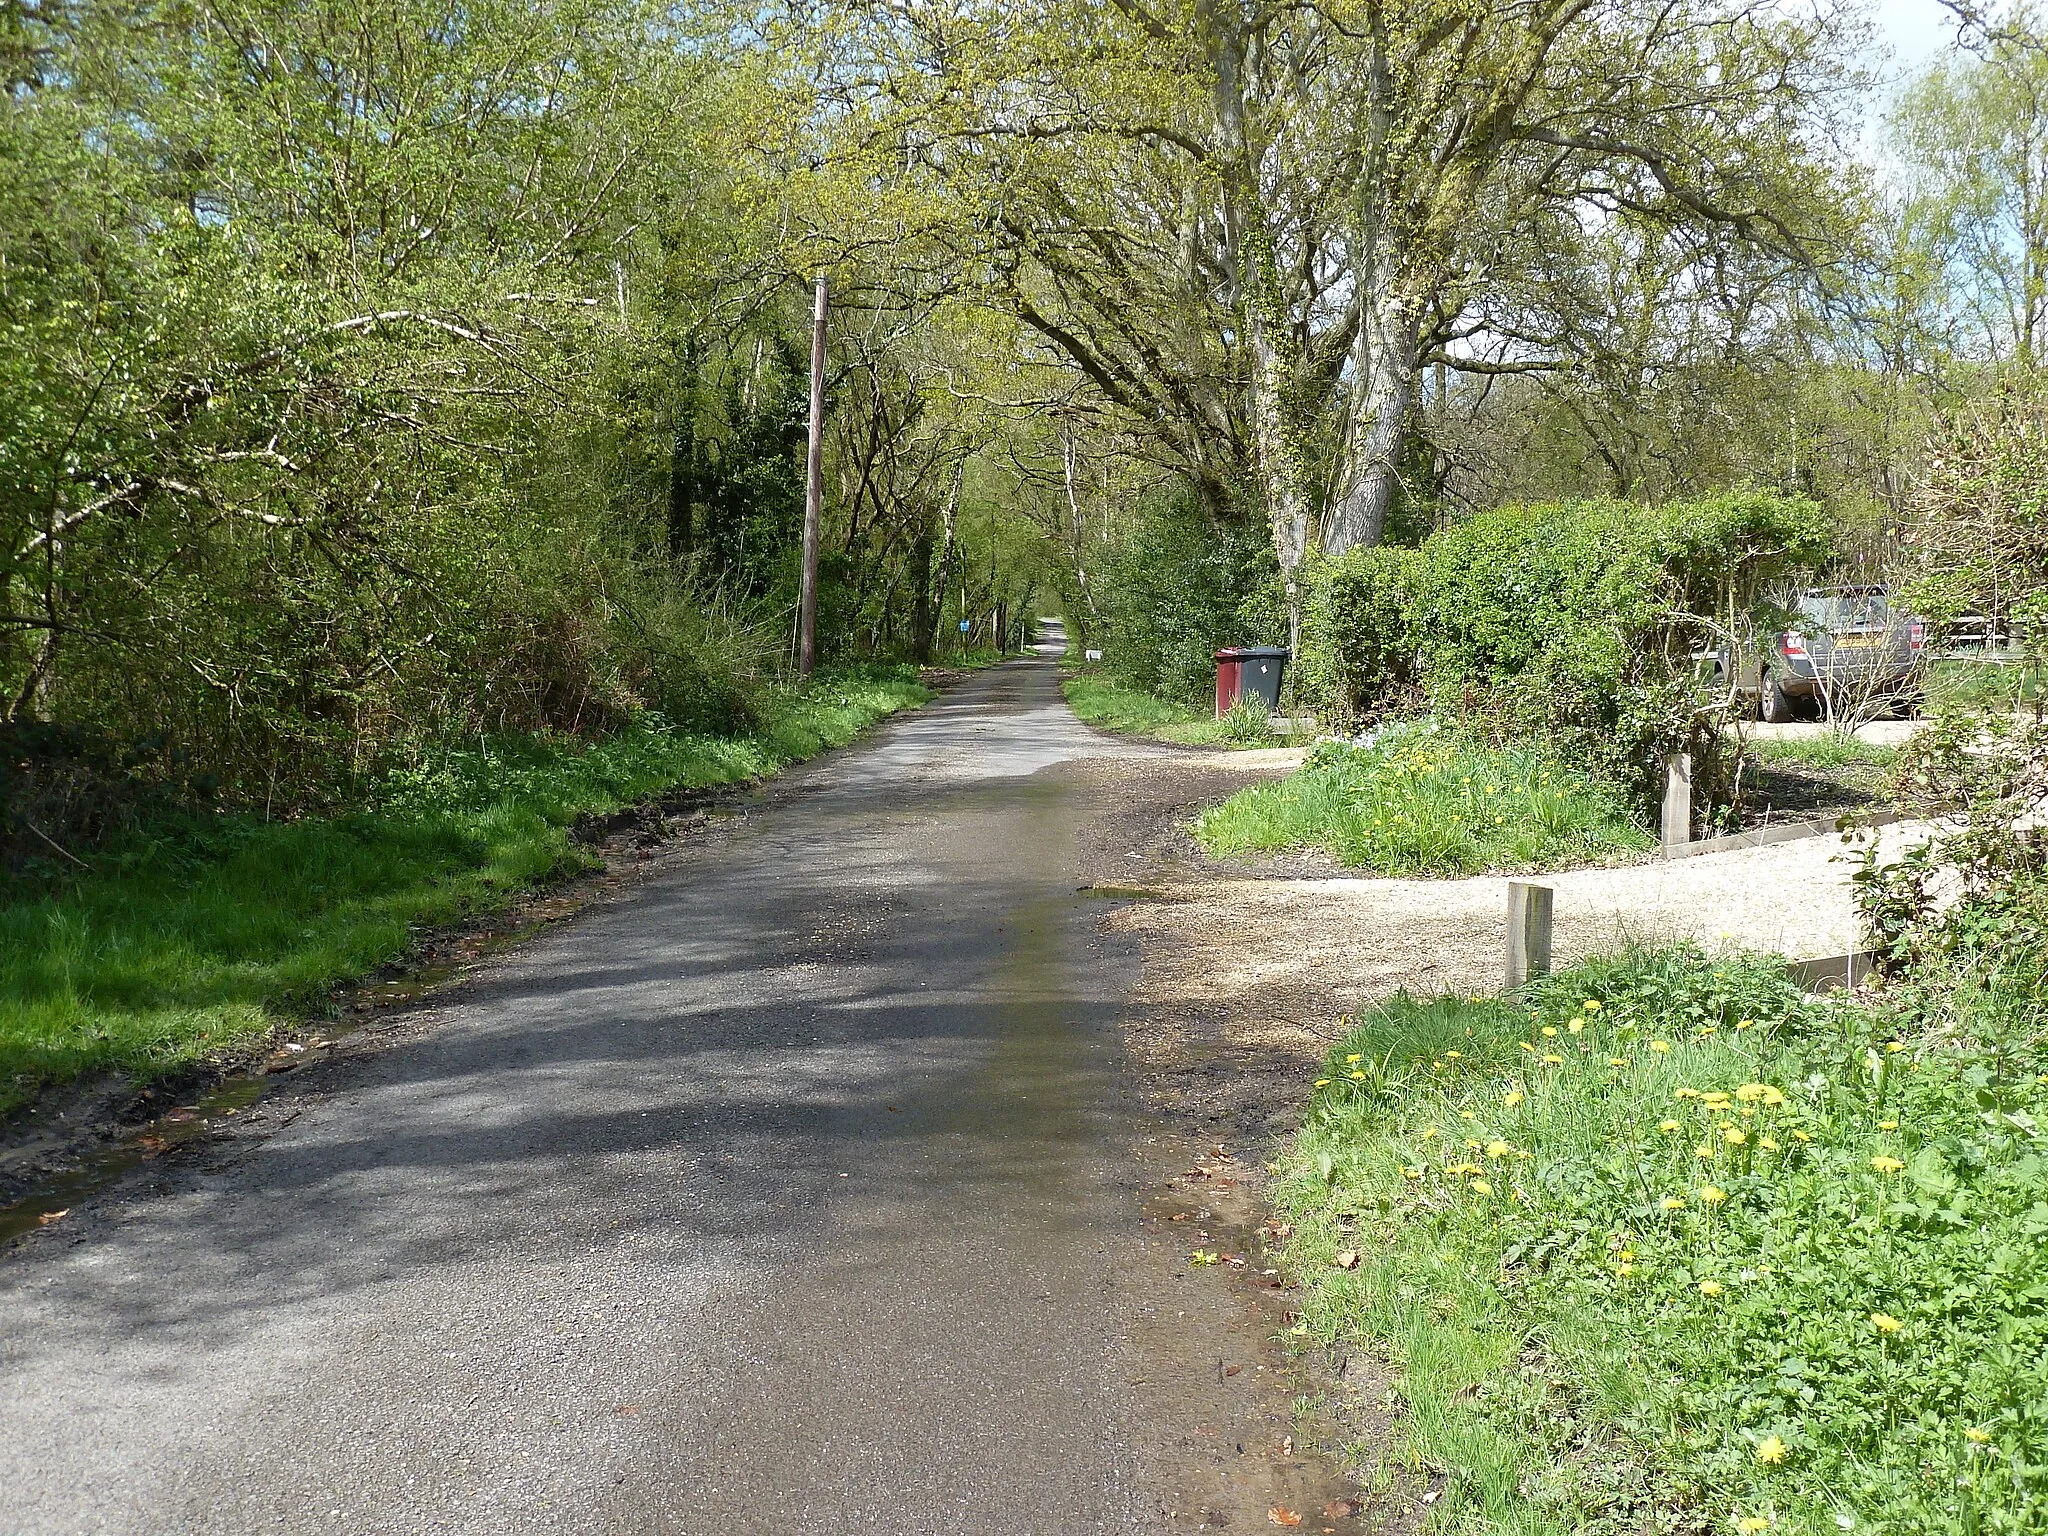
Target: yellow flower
point(1712, 1195)
point(1551, 1059)
point(1710, 1287)
point(1455, 1055)
point(1733, 1136)
point(1687, 1093)
point(1322, 1082)
point(1715, 1100)
point(1895, 1046)
point(1708, 1029)
point(1550, 1031)
point(1466, 1114)
point(1576, 1026)
point(1884, 1322)
point(1769, 1144)
point(1771, 1450)
point(1481, 1187)
point(1750, 1093)
point(1498, 1149)
point(1660, 1046)
point(1667, 1126)
point(1624, 1270)
point(1410, 1173)
point(1428, 1131)
point(1887, 1125)
point(1353, 1059)
point(1617, 1061)
point(1512, 1097)
point(1802, 1136)
point(1745, 1023)
point(1977, 1436)
point(1472, 1142)
point(1749, 1525)
point(1592, 1006)
point(1525, 1045)
point(1672, 1203)
point(1703, 1150)
point(1885, 1164)
point(1358, 1075)
point(1772, 1097)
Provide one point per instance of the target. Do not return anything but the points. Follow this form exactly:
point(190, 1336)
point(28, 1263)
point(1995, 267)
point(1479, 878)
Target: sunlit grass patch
point(1669, 1244)
point(1423, 801)
point(201, 933)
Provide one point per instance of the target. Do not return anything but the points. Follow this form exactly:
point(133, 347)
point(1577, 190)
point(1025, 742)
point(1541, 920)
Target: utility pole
point(814, 495)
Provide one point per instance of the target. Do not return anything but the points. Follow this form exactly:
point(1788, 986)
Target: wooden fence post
point(1677, 802)
point(1529, 908)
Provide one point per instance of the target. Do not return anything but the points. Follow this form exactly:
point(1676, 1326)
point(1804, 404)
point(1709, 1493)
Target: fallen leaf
point(1286, 1446)
point(1232, 1370)
point(626, 1410)
point(1348, 1259)
point(1342, 1509)
point(49, 1216)
point(1280, 1514)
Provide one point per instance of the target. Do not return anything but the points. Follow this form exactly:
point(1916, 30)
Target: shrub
point(1358, 630)
point(1178, 584)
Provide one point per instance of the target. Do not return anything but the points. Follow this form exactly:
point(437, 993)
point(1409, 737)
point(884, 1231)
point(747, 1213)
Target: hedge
point(1574, 620)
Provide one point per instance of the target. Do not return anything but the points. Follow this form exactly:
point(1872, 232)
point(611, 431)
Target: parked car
point(1846, 648)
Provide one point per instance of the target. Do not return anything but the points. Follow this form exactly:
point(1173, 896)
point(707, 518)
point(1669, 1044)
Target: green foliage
point(1420, 801)
point(193, 933)
point(1176, 585)
point(1667, 1244)
point(1577, 621)
point(1358, 629)
point(1106, 705)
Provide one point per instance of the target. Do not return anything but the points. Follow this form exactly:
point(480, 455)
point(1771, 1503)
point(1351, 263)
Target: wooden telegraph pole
point(814, 495)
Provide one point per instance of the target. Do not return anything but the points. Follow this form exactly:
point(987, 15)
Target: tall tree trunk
point(950, 516)
point(923, 614)
point(1385, 371)
point(685, 468)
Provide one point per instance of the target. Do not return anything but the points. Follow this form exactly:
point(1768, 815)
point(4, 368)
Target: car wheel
point(1775, 705)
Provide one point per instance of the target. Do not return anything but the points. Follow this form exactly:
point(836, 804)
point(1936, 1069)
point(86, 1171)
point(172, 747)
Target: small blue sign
point(965, 626)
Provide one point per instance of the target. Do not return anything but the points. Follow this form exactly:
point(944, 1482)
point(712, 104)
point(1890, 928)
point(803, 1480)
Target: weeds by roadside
point(191, 937)
point(1111, 707)
point(1422, 801)
point(1668, 1244)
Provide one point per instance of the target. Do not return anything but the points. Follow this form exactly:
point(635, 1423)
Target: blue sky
point(1917, 30)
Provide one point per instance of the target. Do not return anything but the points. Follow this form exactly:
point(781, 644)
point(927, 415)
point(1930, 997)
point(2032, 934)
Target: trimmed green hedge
point(1576, 620)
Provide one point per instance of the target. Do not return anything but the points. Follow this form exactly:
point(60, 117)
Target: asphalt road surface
point(790, 1193)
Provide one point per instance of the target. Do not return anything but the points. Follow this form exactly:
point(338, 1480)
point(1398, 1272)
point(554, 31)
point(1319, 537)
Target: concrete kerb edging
point(1790, 832)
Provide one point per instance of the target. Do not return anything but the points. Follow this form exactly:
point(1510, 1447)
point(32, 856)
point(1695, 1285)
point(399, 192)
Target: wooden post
point(1677, 802)
point(814, 495)
point(1529, 908)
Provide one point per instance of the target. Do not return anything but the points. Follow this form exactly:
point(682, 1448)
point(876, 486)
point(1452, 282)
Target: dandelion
point(1667, 1126)
point(1802, 1136)
point(1745, 1023)
point(1481, 1187)
point(1887, 1125)
point(1512, 1097)
point(1704, 1149)
point(1733, 1135)
point(1771, 1450)
point(1895, 1046)
point(1769, 1144)
point(1552, 1059)
point(1686, 1093)
point(1885, 1164)
point(1525, 1045)
point(1498, 1149)
point(1773, 1098)
point(1410, 1173)
point(1576, 1026)
point(1977, 1436)
point(1550, 1031)
point(1749, 1525)
point(1711, 1194)
point(1592, 1005)
point(1455, 1055)
point(1353, 1059)
point(1885, 1323)
point(1466, 1114)
point(1660, 1046)
point(1672, 1203)
point(1322, 1082)
point(1750, 1093)
point(1624, 1270)
point(1357, 1076)
point(1710, 1288)
point(1429, 1131)
point(1617, 1061)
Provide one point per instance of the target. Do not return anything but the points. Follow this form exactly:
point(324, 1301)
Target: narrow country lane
point(788, 1194)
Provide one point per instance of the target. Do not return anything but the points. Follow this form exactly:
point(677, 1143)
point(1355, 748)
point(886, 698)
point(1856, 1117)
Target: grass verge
point(1422, 801)
point(1669, 1245)
point(1830, 752)
point(184, 943)
point(1109, 706)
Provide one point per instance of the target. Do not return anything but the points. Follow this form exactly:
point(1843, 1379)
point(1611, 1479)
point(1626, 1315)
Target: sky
point(1917, 31)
